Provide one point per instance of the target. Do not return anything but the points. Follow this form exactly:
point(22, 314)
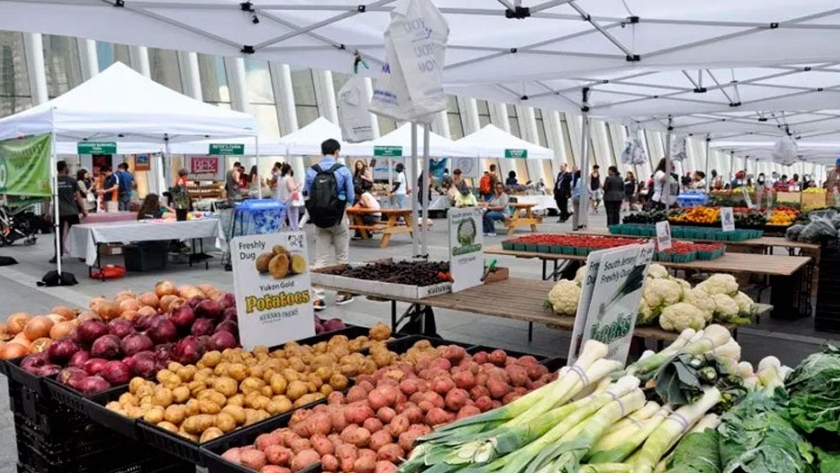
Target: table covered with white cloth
point(542, 203)
point(83, 239)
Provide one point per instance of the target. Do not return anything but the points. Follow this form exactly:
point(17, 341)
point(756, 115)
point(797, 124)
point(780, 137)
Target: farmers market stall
point(84, 240)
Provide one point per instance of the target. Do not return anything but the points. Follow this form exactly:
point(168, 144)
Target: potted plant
point(180, 202)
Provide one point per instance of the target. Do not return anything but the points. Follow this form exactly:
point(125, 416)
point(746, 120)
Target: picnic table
point(529, 219)
point(513, 298)
point(388, 227)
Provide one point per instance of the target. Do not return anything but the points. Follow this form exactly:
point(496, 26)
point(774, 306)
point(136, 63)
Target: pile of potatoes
point(375, 424)
point(230, 389)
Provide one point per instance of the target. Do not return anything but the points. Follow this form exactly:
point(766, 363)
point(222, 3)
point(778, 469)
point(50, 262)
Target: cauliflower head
point(681, 316)
point(657, 271)
point(644, 314)
point(720, 284)
point(746, 305)
point(698, 298)
point(564, 297)
point(727, 310)
point(580, 275)
point(682, 282)
point(659, 293)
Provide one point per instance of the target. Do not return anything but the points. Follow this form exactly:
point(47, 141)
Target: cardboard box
point(500, 274)
point(110, 249)
point(814, 201)
point(789, 197)
point(377, 288)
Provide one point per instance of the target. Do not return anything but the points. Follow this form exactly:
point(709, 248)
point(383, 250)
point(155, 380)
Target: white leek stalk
point(730, 350)
point(645, 413)
point(619, 446)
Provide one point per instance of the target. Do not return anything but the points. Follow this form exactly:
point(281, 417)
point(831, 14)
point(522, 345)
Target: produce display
point(694, 407)
point(565, 244)
point(709, 215)
point(414, 273)
point(671, 302)
point(815, 226)
point(375, 424)
point(221, 390)
point(683, 252)
point(686, 231)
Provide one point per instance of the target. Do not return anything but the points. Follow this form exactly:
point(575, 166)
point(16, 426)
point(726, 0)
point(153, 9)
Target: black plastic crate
point(17, 374)
point(4, 369)
point(350, 331)
point(43, 414)
point(211, 452)
point(554, 364)
point(96, 411)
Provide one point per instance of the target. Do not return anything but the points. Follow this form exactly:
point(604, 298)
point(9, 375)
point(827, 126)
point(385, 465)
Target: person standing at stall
point(595, 186)
point(400, 189)
point(613, 195)
point(563, 191)
point(630, 186)
point(110, 189)
point(288, 194)
point(329, 190)
point(70, 204)
point(126, 186)
point(232, 182)
point(87, 189)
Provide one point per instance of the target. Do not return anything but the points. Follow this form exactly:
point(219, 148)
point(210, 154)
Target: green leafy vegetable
point(814, 389)
point(697, 453)
point(681, 380)
point(829, 462)
point(756, 438)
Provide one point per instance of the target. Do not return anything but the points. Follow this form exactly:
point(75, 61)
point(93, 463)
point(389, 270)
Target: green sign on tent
point(387, 151)
point(225, 149)
point(516, 153)
point(92, 147)
point(25, 166)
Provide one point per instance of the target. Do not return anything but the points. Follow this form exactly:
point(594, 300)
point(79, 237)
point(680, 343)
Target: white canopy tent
point(493, 142)
point(439, 147)
point(119, 104)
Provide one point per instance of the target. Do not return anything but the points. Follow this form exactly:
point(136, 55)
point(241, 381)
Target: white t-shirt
point(658, 185)
point(402, 190)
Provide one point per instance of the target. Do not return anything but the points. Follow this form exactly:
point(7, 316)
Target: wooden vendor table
point(767, 243)
point(516, 299)
point(389, 227)
point(791, 276)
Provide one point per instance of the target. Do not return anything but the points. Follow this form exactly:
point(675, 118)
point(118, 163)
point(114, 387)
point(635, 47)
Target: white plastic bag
point(784, 152)
point(678, 152)
point(639, 153)
point(629, 150)
point(410, 85)
point(353, 114)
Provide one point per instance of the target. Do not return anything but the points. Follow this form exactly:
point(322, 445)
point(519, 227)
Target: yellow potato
point(226, 386)
point(210, 434)
point(181, 394)
point(154, 415)
point(211, 359)
point(168, 426)
point(206, 406)
point(296, 389)
point(175, 414)
point(225, 422)
point(236, 412)
point(163, 397)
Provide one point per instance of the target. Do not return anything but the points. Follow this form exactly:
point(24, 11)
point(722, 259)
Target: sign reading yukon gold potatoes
point(272, 286)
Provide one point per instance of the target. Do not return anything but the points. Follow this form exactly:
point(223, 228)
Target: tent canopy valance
point(493, 142)
point(825, 153)
point(398, 143)
point(119, 104)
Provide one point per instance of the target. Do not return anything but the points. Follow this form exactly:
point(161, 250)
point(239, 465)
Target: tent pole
point(708, 164)
point(259, 175)
point(424, 192)
point(163, 158)
point(413, 200)
point(583, 204)
point(669, 166)
point(731, 168)
point(56, 223)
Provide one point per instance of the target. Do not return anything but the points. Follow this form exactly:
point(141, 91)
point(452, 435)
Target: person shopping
point(70, 204)
point(613, 196)
point(465, 196)
point(630, 185)
point(87, 189)
point(400, 189)
point(562, 192)
point(152, 209)
point(126, 186)
point(595, 186)
point(110, 190)
point(366, 200)
point(288, 194)
point(497, 210)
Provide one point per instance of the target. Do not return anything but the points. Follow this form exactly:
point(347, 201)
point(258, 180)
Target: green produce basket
point(543, 248)
point(507, 246)
point(615, 229)
point(663, 257)
point(581, 251)
point(556, 250)
point(530, 248)
point(519, 247)
point(683, 258)
point(568, 250)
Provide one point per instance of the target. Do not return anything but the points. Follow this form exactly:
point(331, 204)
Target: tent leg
point(56, 222)
point(669, 166)
point(414, 235)
point(167, 156)
point(583, 204)
point(424, 192)
point(708, 164)
point(731, 168)
point(259, 179)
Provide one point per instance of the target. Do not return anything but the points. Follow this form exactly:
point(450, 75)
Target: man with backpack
point(329, 190)
point(126, 185)
point(487, 183)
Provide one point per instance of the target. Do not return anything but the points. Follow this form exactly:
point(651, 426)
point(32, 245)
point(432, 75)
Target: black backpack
point(324, 206)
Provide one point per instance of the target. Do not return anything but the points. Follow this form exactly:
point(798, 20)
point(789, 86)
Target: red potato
point(481, 378)
point(497, 404)
point(278, 455)
point(304, 459)
point(390, 452)
point(425, 406)
point(286, 436)
point(470, 366)
point(380, 439)
point(299, 416)
point(536, 371)
point(467, 411)
point(337, 418)
point(385, 467)
point(410, 386)
point(385, 414)
point(443, 385)
point(266, 440)
point(322, 444)
point(441, 363)
point(435, 398)
point(356, 393)
point(274, 469)
point(372, 424)
point(299, 445)
point(479, 391)
point(366, 377)
point(453, 353)
point(414, 414)
point(398, 425)
point(484, 403)
point(364, 465)
point(357, 414)
point(481, 357)
point(518, 375)
point(336, 397)
point(423, 429)
point(464, 380)
point(497, 387)
point(497, 357)
point(526, 360)
point(381, 396)
point(232, 455)
point(456, 399)
point(366, 385)
point(346, 455)
point(253, 459)
point(438, 416)
point(407, 440)
point(318, 423)
point(329, 463)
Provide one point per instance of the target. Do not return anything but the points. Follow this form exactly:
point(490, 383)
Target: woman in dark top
point(596, 193)
point(152, 208)
point(511, 179)
point(613, 195)
point(630, 189)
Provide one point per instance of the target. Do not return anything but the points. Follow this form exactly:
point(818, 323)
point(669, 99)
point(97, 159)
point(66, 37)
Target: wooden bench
point(519, 220)
point(390, 226)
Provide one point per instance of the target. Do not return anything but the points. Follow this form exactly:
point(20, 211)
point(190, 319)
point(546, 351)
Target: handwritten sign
point(272, 285)
point(663, 236)
point(727, 219)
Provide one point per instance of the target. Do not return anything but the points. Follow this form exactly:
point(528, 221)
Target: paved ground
point(790, 341)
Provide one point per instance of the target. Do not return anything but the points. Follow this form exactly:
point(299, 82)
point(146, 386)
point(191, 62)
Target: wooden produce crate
point(789, 197)
point(814, 201)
